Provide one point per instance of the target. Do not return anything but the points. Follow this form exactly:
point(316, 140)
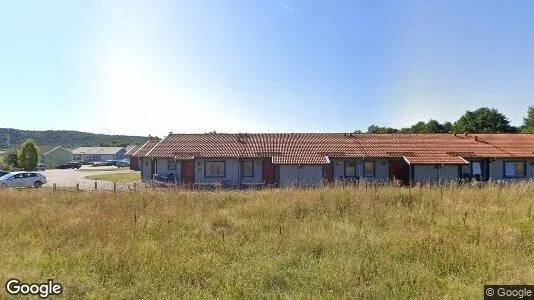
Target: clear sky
point(150, 67)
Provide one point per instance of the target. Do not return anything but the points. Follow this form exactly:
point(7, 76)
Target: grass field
point(117, 177)
point(333, 242)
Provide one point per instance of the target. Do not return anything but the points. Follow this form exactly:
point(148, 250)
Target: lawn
point(320, 243)
point(117, 177)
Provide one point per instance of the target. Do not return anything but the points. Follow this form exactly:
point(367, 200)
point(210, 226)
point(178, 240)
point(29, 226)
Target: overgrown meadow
point(380, 242)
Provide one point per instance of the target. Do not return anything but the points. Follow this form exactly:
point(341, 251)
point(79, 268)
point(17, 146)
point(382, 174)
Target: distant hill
point(67, 138)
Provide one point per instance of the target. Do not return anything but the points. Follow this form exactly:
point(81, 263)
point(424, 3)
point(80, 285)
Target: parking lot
point(70, 177)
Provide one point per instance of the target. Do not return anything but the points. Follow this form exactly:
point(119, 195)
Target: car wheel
point(37, 184)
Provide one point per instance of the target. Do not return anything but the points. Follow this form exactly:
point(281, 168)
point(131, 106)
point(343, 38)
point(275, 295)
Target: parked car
point(41, 167)
point(2, 173)
point(86, 163)
point(165, 179)
point(22, 179)
point(71, 165)
point(111, 162)
point(123, 163)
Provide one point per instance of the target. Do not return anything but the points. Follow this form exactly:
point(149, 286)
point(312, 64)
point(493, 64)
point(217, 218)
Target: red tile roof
point(516, 145)
point(317, 148)
point(144, 149)
point(132, 150)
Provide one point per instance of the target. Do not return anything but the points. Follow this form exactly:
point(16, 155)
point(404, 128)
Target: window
point(369, 168)
point(350, 169)
point(248, 169)
point(477, 168)
point(514, 169)
point(214, 169)
point(171, 164)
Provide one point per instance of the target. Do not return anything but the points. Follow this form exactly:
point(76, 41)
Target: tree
point(11, 159)
point(483, 120)
point(378, 129)
point(28, 155)
point(528, 122)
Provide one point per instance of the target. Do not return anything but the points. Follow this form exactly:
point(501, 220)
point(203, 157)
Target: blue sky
point(150, 67)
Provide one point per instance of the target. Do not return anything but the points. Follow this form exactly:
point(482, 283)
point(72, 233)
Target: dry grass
point(333, 242)
point(117, 177)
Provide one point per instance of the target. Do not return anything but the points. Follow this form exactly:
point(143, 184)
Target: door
point(328, 172)
point(153, 169)
point(268, 172)
point(188, 172)
point(399, 170)
point(17, 180)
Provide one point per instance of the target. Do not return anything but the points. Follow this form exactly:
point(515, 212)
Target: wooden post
point(54, 187)
point(96, 185)
point(134, 185)
point(114, 186)
point(77, 187)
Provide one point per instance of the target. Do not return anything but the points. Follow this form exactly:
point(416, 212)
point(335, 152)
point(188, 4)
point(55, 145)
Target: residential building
point(56, 156)
point(98, 154)
point(309, 159)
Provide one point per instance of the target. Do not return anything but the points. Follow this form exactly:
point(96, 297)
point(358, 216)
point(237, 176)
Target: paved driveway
point(70, 177)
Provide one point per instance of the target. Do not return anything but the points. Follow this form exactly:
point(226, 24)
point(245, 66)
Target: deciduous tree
point(28, 155)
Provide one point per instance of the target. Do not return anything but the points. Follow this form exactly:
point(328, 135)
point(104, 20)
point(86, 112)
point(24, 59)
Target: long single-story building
point(98, 154)
point(310, 159)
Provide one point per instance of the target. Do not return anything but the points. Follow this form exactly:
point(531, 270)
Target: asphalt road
point(70, 177)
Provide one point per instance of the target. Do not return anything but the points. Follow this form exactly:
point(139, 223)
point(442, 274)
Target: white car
point(22, 179)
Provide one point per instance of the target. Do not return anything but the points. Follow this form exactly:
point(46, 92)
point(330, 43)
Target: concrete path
point(70, 177)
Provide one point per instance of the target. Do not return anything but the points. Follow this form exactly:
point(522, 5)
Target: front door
point(188, 172)
point(328, 172)
point(399, 170)
point(268, 172)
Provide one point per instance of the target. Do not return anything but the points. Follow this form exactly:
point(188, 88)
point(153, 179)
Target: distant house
point(56, 156)
point(98, 153)
point(134, 163)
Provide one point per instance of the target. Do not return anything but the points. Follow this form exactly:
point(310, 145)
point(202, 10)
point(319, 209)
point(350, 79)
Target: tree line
point(482, 120)
point(10, 137)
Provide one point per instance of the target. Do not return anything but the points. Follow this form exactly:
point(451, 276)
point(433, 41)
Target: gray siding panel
point(429, 173)
point(145, 166)
point(381, 168)
point(258, 173)
point(307, 175)
point(496, 168)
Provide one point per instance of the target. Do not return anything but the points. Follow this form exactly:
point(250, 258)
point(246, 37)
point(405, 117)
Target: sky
point(154, 67)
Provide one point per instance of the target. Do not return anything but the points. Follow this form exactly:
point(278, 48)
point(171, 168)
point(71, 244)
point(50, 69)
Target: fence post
point(114, 186)
point(54, 187)
point(77, 187)
point(96, 185)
